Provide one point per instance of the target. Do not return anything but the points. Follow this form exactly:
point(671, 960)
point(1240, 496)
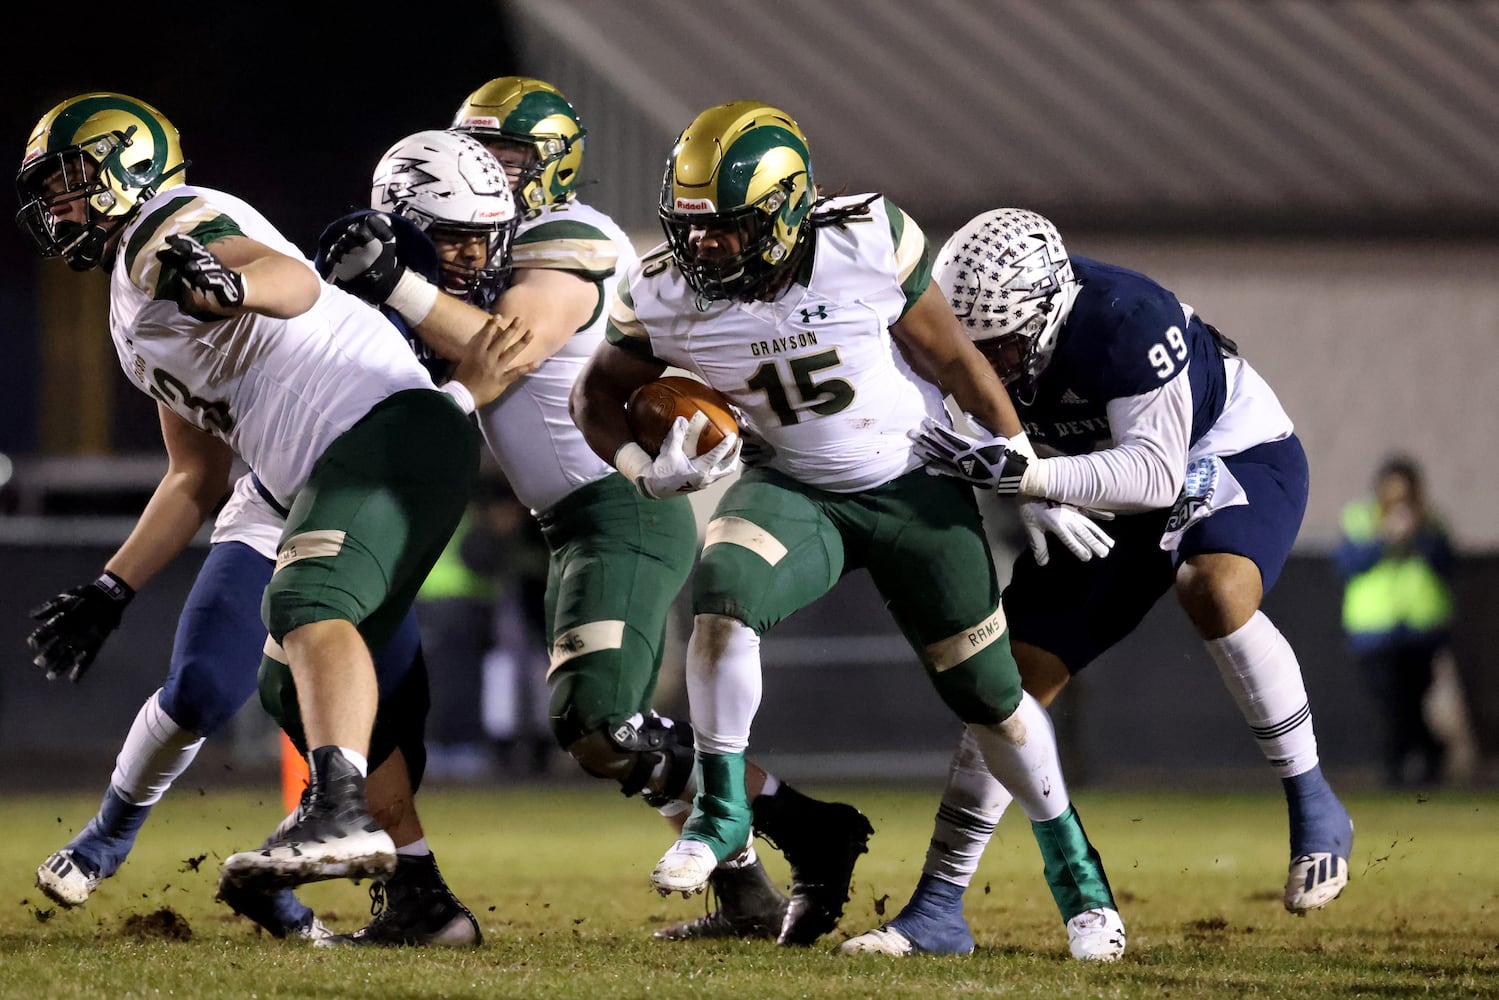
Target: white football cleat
point(1096, 935)
point(1314, 881)
point(880, 941)
point(684, 868)
point(63, 881)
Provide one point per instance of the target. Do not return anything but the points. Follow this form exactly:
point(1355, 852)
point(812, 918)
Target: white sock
point(972, 804)
point(1021, 752)
point(156, 751)
point(1260, 670)
point(723, 682)
point(772, 785)
point(416, 849)
point(360, 761)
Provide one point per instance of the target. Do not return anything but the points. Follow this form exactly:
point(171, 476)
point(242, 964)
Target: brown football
point(652, 408)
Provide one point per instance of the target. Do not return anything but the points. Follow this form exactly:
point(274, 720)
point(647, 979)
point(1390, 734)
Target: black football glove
point(75, 623)
point(198, 270)
point(362, 259)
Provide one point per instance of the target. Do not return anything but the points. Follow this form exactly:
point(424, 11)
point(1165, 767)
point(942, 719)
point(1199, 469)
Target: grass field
point(558, 879)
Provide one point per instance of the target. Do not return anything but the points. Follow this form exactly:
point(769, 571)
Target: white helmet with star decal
point(1008, 280)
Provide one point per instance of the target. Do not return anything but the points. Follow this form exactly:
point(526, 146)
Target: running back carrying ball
point(652, 408)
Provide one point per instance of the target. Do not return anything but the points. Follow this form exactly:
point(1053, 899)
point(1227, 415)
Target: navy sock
point(106, 841)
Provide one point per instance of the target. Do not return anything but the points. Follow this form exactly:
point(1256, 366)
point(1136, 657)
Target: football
point(652, 408)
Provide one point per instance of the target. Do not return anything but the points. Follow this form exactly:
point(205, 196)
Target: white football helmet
point(1008, 279)
point(450, 186)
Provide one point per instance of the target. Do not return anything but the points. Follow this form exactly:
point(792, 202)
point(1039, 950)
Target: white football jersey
point(529, 429)
point(278, 391)
point(815, 373)
point(247, 517)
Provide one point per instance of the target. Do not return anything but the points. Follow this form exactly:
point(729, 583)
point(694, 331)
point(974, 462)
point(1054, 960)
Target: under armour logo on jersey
point(808, 315)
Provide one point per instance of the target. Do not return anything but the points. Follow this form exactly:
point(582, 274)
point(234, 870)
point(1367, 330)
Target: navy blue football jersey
point(1125, 336)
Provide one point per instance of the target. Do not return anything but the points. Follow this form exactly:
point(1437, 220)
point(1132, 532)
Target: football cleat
point(685, 868)
point(1314, 880)
point(277, 911)
point(880, 941)
point(333, 836)
point(749, 906)
point(63, 879)
point(821, 841)
point(415, 907)
point(1319, 853)
point(1096, 935)
point(932, 923)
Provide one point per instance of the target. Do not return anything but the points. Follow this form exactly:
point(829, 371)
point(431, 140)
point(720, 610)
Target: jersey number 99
point(1165, 358)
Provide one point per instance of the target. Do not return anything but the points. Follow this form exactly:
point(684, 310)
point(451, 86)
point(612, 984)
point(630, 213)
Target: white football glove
point(988, 463)
point(1074, 527)
point(672, 471)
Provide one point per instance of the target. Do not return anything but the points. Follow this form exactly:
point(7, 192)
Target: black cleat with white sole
point(333, 836)
point(749, 907)
point(413, 907)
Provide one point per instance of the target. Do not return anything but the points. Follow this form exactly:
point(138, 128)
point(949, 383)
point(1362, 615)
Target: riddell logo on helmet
point(480, 121)
point(695, 205)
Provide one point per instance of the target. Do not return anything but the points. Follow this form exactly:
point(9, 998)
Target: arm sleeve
point(1144, 469)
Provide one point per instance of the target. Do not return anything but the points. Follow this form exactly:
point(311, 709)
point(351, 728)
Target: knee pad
point(983, 689)
point(648, 756)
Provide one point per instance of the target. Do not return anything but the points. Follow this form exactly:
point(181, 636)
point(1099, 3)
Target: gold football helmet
point(740, 168)
point(111, 151)
point(532, 114)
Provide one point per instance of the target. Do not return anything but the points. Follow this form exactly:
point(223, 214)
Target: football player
point(246, 351)
point(818, 320)
point(1148, 413)
point(216, 650)
point(617, 560)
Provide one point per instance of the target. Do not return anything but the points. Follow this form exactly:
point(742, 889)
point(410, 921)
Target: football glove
point(75, 623)
point(202, 277)
point(362, 259)
point(672, 471)
point(987, 463)
point(1073, 526)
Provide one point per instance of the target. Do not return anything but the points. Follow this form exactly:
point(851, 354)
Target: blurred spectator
point(505, 546)
point(1396, 561)
point(454, 610)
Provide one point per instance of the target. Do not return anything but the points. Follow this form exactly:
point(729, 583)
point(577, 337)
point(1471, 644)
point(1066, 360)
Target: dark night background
point(287, 105)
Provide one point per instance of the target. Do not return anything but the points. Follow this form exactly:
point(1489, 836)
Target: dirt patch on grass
point(164, 924)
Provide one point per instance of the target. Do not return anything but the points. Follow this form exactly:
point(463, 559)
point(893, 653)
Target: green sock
point(1073, 868)
point(721, 811)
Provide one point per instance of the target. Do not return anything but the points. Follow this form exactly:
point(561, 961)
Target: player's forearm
point(450, 325)
point(599, 414)
point(980, 394)
point(1127, 478)
point(178, 508)
point(279, 286)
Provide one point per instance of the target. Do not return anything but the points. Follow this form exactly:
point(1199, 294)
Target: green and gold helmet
point(533, 115)
point(111, 151)
point(740, 168)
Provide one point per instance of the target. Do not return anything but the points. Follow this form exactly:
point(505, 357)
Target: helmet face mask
point(451, 188)
point(521, 113)
point(110, 151)
point(1009, 281)
point(736, 200)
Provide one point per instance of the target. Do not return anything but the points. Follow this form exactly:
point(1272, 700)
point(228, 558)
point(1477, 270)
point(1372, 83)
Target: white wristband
point(413, 297)
point(633, 461)
point(1033, 483)
point(460, 394)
